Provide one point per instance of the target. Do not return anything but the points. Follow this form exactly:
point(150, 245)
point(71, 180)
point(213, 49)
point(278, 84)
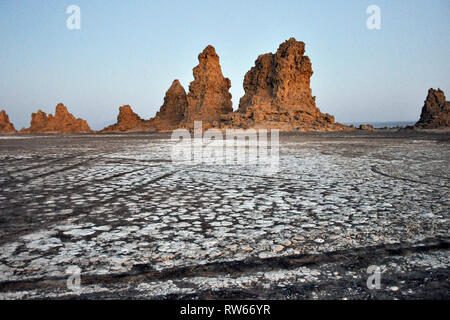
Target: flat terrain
point(142, 227)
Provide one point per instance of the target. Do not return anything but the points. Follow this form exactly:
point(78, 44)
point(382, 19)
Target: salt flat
point(141, 226)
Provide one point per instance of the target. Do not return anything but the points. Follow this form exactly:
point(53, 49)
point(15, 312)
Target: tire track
point(104, 180)
point(145, 272)
point(110, 177)
point(46, 174)
point(376, 170)
point(23, 230)
point(48, 163)
point(10, 176)
point(244, 175)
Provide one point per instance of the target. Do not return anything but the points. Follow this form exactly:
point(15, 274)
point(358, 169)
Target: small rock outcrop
point(172, 113)
point(5, 125)
point(209, 95)
point(366, 127)
point(278, 94)
point(61, 122)
point(435, 112)
point(128, 121)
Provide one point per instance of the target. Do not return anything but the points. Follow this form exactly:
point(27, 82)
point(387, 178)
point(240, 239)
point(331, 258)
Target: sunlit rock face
point(5, 125)
point(128, 121)
point(209, 95)
point(61, 122)
point(435, 112)
point(278, 93)
point(172, 112)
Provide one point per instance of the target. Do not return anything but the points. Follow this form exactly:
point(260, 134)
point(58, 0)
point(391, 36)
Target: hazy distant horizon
point(382, 124)
point(130, 52)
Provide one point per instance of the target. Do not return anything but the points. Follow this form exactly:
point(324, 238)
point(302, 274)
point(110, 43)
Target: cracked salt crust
point(110, 217)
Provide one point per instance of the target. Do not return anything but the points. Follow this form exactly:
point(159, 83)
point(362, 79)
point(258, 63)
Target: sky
point(129, 52)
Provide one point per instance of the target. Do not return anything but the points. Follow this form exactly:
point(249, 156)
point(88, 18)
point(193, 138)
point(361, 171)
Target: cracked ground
point(140, 226)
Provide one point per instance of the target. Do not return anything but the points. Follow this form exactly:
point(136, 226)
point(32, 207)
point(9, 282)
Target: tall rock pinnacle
point(172, 112)
point(435, 111)
point(278, 94)
point(5, 125)
point(280, 81)
point(209, 95)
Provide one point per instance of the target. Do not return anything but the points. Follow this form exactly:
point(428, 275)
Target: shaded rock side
point(209, 95)
point(5, 125)
point(172, 113)
point(278, 94)
point(435, 112)
point(61, 122)
point(128, 121)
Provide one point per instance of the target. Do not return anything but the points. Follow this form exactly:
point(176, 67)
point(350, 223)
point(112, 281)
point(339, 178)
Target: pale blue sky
point(129, 52)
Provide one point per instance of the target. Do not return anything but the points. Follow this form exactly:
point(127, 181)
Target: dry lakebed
point(138, 226)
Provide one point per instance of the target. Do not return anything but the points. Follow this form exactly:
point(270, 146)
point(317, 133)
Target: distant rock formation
point(172, 112)
point(209, 95)
point(435, 112)
point(366, 127)
point(278, 94)
point(62, 122)
point(128, 121)
point(5, 125)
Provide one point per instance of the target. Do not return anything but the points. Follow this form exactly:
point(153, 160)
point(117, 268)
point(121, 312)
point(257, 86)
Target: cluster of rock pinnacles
point(277, 96)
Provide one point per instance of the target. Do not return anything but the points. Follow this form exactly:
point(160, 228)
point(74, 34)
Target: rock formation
point(278, 94)
point(5, 125)
point(62, 122)
point(435, 112)
point(128, 121)
point(172, 112)
point(366, 127)
point(209, 95)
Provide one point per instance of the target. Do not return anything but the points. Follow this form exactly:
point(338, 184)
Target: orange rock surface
point(128, 121)
point(172, 112)
point(5, 125)
point(209, 95)
point(278, 94)
point(435, 112)
point(61, 122)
